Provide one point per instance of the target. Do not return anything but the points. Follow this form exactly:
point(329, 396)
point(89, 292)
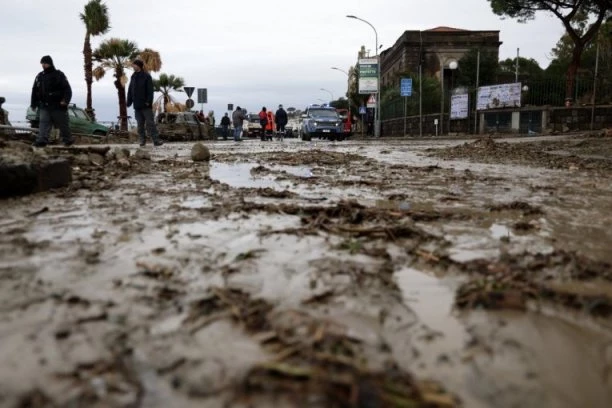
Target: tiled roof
point(445, 29)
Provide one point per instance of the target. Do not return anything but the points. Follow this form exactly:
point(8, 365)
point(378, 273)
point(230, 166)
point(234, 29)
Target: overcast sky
point(244, 52)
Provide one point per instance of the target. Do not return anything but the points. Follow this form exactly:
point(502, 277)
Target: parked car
point(182, 126)
point(347, 123)
point(79, 121)
point(292, 128)
point(251, 126)
point(321, 121)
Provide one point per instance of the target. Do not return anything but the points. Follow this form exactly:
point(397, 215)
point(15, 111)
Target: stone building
point(437, 47)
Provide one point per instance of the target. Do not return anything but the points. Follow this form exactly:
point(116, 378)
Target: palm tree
point(166, 84)
point(152, 60)
point(95, 18)
point(116, 55)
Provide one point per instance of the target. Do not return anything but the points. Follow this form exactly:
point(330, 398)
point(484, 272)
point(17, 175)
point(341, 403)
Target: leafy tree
point(116, 55)
point(467, 68)
point(527, 66)
point(95, 18)
point(569, 12)
point(166, 84)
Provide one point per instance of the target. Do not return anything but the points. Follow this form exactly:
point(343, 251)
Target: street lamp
point(348, 87)
point(330, 94)
point(378, 93)
point(453, 66)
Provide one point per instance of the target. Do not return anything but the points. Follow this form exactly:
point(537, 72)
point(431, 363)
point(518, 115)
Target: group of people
point(270, 123)
point(51, 94)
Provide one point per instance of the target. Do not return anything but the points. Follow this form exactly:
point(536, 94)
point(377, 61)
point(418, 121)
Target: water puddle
point(239, 175)
point(196, 203)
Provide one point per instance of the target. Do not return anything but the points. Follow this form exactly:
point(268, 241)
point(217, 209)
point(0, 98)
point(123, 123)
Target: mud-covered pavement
point(395, 273)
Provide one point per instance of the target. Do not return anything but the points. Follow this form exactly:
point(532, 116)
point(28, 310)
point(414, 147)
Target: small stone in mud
point(123, 162)
point(81, 160)
point(199, 153)
point(121, 153)
point(96, 159)
point(142, 154)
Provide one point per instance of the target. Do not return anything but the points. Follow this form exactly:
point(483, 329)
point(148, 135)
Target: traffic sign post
point(405, 91)
point(371, 101)
point(189, 90)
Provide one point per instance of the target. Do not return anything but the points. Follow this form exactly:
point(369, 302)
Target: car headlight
point(315, 123)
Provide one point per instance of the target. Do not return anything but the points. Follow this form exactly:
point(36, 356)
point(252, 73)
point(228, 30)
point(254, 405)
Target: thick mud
point(395, 273)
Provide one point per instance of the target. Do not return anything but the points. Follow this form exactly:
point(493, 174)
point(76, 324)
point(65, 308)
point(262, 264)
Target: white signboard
point(459, 106)
point(499, 96)
point(368, 75)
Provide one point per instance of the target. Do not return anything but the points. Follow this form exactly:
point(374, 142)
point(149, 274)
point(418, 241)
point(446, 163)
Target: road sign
point(189, 103)
point(230, 106)
point(362, 110)
point(202, 95)
point(406, 87)
point(371, 101)
point(188, 90)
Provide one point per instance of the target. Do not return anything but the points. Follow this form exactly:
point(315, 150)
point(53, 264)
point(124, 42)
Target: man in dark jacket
point(51, 95)
point(140, 93)
point(281, 121)
point(225, 125)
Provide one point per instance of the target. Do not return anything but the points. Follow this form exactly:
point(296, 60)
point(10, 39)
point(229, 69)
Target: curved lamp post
point(348, 85)
point(378, 93)
point(330, 94)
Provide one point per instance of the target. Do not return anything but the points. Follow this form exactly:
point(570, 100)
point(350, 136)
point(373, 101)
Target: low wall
point(527, 120)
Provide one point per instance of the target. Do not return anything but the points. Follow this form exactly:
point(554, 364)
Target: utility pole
point(476, 94)
point(594, 86)
point(516, 73)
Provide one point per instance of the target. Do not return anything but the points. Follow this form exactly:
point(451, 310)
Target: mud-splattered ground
point(395, 273)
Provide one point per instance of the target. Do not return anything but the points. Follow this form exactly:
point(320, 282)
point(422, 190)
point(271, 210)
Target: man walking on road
point(51, 95)
point(281, 121)
point(140, 93)
point(237, 121)
point(225, 124)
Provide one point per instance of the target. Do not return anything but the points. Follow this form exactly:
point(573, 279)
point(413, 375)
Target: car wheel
point(306, 138)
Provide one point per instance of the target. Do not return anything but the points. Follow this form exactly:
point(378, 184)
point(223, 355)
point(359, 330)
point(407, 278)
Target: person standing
point(51, 95)
point(270, 126)
point(281, 121)
point(225, 124)
point(237, 121)
point(140, 93)
point(263, 122)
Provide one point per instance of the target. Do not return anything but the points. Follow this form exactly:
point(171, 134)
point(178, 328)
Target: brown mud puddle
point(354, 274)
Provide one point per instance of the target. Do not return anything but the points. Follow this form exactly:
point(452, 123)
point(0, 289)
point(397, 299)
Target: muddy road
point(395, 273)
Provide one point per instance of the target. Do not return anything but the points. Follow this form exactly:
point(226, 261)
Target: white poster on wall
point(459, 106)
point(499, 96)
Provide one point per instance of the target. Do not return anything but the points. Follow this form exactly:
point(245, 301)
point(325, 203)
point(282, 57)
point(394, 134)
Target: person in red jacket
point(270, 126)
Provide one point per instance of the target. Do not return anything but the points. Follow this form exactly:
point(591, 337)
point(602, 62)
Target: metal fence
point(536, 92)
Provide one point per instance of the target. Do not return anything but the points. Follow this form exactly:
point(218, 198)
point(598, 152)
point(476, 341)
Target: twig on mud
point(208, 320)
point(428, 256)
point(41, 211)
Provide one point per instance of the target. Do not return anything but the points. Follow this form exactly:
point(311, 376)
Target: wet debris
point(314, 359)
point(590, 155)
point(559, 277)
point(525, 208)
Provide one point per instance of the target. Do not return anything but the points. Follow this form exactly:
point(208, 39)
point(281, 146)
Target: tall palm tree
point(95, 18)
point(116, 55)
point(166, 84)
